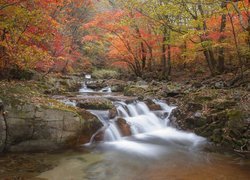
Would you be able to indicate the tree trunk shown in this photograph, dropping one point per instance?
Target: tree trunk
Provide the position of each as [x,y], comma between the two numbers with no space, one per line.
[221,56]
[207,57]
[150,58]
[163,54]
[142,48]
[169,61]
[143,55]
[208,51]
[3,54]
[236,45]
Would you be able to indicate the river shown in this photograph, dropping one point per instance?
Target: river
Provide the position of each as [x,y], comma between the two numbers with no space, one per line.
[153,150]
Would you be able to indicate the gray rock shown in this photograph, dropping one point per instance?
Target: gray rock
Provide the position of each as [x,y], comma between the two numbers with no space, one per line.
[95,103]
[197,114]
[34,146]
[219,85]
[2,133]
[32,128]
[141,83]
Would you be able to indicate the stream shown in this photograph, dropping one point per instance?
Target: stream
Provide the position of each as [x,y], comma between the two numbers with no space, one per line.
[153,149]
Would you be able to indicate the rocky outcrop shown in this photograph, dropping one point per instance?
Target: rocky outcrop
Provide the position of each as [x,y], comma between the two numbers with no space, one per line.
[32,128]
[217,115]
[134,91]
[90,127]
[34,122]
[116,85]
[61,84]
[95,104]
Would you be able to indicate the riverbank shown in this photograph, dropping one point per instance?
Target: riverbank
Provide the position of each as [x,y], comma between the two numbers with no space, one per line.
[35,122]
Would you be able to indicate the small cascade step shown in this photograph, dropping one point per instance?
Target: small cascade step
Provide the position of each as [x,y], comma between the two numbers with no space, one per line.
[135,118]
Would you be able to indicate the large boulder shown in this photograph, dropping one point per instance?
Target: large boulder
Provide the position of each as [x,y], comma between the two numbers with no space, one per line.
[36,122]
[62,84]
[91,126]
[2,127]
[134,91]
[116,85]
[95,104]
[32,128]
[35,128]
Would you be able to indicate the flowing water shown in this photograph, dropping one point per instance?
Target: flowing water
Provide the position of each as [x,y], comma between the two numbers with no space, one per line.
[153,150]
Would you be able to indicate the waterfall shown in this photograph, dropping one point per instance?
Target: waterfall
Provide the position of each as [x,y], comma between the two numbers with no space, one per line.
[139,118]
[137,129]
[106,90]
[85,88]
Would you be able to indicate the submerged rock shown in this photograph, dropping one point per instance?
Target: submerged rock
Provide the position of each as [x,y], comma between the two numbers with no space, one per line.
[113,113]
[124,127]
[152,106]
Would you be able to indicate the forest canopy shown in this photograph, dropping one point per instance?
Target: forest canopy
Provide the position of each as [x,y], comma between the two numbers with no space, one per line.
[145,37]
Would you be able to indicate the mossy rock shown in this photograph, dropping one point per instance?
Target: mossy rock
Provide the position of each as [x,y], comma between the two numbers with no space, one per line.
[217,136]
[219,105]
[134,91]
[195,122]
[235,118]
[202,99]
[95,104]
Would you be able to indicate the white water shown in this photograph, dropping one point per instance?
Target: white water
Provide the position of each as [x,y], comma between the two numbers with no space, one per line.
[106,90]
[151,135]
[85,89]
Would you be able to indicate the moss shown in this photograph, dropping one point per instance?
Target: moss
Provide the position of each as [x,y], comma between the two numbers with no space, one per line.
[235,123]
[202,99]
[134,91]
[217,136]
[222,104]
[234,115]
[105,74]
[29,92]
[98,104]
[54,104]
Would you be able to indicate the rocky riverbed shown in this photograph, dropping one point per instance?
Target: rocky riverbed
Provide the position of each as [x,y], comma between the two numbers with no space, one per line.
[48,115]
[210,108]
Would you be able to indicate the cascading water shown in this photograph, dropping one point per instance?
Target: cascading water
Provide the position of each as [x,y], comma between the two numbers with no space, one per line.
[85,89]
[140,143]
[106,90]
[150,130]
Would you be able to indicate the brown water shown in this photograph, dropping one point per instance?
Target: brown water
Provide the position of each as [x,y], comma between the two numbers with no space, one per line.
[114,165]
